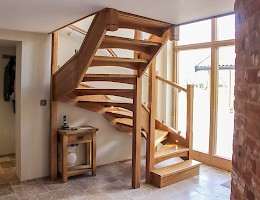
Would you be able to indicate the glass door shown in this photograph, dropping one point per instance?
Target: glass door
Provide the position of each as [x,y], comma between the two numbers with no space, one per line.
[225,111]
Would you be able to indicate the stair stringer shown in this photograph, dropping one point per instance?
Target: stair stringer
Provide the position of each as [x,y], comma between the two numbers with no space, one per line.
[74,70]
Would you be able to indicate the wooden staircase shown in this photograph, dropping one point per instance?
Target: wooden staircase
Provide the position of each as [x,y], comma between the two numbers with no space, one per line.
[71,85]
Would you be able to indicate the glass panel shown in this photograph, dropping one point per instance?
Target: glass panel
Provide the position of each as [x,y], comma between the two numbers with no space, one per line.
[226,27]
[194,69]
[70,40]
[192,33]
[226,101]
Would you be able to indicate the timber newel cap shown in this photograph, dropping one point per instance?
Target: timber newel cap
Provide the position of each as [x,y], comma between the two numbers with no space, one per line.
[112,19]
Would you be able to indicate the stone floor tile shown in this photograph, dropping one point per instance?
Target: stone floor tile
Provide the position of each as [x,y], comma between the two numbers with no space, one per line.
[90,182]
[8,178]
[185,195]
[101,196]
[111,179]
[7,164]
[57,185]
[4,159]
[6,189]
[12,196]
[68,193]
[30,189]
[110,188]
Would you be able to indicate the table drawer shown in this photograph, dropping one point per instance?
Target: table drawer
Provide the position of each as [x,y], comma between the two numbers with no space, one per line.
[79,138]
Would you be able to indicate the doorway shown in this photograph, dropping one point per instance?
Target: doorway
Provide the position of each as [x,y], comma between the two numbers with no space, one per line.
[7,111]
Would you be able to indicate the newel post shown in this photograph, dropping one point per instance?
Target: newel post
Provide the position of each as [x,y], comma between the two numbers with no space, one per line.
[151,135]
[189,128]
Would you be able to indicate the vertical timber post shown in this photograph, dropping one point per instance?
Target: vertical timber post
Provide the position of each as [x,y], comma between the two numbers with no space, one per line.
[151,134]
[136,144]
[189,128]
[53,110]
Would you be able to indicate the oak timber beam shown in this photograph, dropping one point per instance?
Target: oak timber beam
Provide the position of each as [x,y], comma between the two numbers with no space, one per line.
[151,136]
[53,111]
[136,144]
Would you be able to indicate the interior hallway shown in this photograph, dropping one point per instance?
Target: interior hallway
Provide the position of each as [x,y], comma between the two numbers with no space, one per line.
[113,182]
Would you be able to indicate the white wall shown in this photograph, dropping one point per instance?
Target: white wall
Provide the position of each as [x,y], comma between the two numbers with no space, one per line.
[32,84]
[7,116]
[112,145]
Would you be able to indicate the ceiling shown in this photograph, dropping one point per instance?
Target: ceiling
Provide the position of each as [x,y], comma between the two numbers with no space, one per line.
[49,15]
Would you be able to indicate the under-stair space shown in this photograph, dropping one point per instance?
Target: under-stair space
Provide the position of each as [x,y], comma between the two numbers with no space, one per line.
[117,96]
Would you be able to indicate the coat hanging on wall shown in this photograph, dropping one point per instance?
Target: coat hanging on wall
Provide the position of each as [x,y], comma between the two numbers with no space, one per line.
[9,78]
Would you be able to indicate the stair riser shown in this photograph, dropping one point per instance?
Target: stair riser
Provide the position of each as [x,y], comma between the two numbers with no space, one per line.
[168,180]
[166,157]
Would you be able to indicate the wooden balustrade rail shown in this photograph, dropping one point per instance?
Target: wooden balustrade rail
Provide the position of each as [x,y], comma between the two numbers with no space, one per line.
[190,96]
[171,83]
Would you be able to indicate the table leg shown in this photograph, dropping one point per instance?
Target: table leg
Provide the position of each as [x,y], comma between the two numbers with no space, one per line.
[64,158]
[87,146]
[93,156]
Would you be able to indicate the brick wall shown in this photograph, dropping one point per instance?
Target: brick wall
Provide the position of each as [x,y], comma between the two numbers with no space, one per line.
[246,145]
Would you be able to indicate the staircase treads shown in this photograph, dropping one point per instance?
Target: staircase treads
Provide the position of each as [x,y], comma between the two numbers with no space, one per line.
[128,93]
[136,22]
[120,78]
[124,121]
[116,61]
[170,149]
[121,114]
[108,103]
[131,44]
[176,168]
[160,135]
[171,174]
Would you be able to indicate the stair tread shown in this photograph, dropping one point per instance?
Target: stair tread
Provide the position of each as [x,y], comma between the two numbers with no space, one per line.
[121,112]
[104,101]
[118,59]
[160,134]
[176,168]
[121,40]
[170,149]
[110,75]
[124,121]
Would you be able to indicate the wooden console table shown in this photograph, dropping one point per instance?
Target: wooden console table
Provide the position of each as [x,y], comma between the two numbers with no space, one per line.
[87,136]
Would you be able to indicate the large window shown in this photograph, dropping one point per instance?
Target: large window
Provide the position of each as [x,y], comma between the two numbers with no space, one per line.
[205,57]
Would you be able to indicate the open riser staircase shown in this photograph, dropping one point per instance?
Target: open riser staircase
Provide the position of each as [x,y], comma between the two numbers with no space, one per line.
[71,84]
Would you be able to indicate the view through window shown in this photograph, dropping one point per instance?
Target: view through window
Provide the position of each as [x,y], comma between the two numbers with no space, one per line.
[206,59]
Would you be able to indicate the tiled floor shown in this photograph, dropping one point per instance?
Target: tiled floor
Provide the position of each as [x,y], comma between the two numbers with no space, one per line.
[114,182]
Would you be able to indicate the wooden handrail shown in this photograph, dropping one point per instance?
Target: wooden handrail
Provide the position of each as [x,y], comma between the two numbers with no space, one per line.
[171,83]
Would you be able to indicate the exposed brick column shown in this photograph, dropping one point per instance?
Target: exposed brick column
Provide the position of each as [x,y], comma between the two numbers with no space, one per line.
[246,143]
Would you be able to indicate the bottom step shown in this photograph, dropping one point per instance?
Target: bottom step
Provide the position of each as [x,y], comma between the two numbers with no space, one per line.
[171,174]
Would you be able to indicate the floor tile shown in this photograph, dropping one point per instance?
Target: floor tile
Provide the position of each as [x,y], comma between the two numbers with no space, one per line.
[68,193]
[7,164]
[4,159]
[6,189]
[30,189]
[113,182]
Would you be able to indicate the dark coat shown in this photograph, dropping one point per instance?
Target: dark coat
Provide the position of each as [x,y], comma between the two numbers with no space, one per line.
[9,78]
